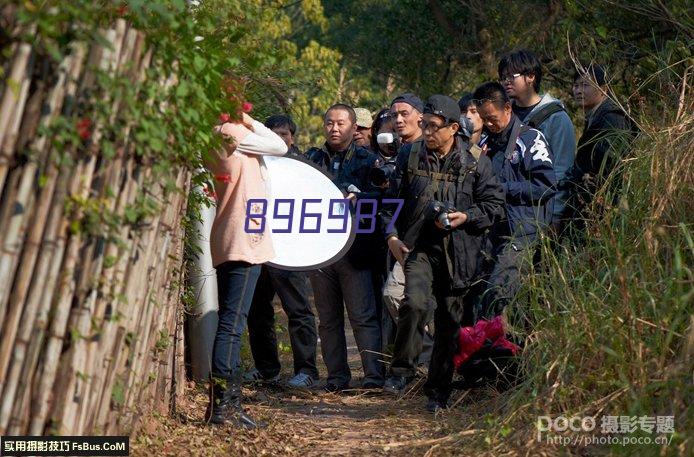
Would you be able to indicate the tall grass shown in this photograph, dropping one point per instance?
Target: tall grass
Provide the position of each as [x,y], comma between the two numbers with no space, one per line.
[612,323]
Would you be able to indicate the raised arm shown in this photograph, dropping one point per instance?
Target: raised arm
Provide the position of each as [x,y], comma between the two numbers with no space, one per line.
[262,141]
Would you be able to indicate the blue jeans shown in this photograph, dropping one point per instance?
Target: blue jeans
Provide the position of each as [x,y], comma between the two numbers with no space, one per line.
[235,285]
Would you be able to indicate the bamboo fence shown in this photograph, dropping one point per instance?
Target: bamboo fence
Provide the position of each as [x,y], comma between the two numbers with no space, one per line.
[90,329]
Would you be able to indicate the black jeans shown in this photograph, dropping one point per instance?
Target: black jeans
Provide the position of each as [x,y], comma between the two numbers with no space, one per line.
[235,286]
[440,376]
[336,287]
[293,290]
[425,275]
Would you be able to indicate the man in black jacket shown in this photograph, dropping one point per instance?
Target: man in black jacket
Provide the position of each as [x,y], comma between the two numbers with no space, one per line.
[450,198]
[347,283]
[606,136]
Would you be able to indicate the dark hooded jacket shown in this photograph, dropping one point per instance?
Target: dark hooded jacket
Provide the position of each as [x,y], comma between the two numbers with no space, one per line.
[606,135]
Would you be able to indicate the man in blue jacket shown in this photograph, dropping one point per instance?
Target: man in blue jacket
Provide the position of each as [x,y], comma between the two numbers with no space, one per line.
[520,73]
[523,162]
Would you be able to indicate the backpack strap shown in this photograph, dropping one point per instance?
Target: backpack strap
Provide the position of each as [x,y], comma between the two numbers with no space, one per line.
[476,152]
[516,131]
[413,159]
[539,116]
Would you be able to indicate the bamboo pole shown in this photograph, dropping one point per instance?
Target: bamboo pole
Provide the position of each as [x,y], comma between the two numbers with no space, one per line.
[33,238]
[35,316]
[75,373]
[10,102]
[31,334]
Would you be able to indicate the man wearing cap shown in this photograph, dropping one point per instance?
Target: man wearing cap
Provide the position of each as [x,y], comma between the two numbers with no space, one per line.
[362,137]
[406,110]
[451,197]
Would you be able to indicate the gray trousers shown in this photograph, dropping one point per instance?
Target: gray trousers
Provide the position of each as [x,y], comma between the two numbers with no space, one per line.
[336,287]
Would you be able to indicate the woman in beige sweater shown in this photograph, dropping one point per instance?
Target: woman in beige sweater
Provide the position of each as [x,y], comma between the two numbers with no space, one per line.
[240,176]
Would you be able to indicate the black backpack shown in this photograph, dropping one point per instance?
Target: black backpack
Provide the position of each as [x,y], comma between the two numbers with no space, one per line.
[541,115]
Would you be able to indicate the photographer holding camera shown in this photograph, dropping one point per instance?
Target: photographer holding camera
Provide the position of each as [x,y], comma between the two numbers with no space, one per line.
[451,197]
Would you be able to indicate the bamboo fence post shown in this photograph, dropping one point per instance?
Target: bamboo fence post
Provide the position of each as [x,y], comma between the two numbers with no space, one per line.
[75,363]
[31,243]
[57,283]
[11,102]
[68,283]
[34,320]
[33,325]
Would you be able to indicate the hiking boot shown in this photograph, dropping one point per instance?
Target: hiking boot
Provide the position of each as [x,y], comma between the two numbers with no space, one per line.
[255,377]
[301,381]
[396,385]
[225,404]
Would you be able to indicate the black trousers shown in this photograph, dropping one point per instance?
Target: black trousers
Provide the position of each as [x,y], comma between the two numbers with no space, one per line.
[293,290]
[426,275]
[512,261]
[337,287]
[440,376]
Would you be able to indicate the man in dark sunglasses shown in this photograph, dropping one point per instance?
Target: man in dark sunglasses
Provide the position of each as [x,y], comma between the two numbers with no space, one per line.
[450,198]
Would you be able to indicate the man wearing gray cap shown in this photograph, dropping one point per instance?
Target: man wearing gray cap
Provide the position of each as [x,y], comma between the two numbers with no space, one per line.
[451,197]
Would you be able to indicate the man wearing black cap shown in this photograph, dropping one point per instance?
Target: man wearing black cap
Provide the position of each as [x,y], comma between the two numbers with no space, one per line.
[451,196]
[406,111]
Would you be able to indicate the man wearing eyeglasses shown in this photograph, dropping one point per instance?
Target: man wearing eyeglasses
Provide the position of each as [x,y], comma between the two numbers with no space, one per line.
[520,73]
[523,162]
[451,196]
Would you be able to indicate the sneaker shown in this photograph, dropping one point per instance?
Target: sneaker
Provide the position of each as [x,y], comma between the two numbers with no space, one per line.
[301,381]
[371,385]
[334,388]
[395,385]
[254,376]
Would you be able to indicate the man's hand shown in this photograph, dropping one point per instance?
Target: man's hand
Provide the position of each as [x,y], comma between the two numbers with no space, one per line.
[398,249]
[588,179]
[456,218]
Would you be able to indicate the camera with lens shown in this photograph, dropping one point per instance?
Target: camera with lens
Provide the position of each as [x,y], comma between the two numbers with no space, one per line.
[438,211]
[380,175]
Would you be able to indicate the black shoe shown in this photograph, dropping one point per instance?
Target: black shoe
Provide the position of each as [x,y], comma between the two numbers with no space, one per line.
[332,388]
[225,404]
[436,406]
[396,385]
[372,385]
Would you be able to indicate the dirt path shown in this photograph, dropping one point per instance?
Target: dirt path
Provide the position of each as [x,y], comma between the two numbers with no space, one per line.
[305,423]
